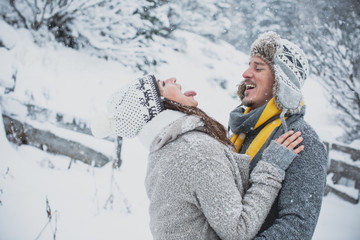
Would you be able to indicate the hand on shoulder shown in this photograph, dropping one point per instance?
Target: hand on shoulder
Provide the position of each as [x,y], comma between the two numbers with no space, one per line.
[291,140]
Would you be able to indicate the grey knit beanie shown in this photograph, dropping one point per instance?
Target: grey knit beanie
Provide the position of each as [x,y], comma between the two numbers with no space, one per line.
[290,68]
[289,65]
[129,109]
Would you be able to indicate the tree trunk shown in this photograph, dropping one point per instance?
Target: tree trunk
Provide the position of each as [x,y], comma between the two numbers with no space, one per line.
[23,133]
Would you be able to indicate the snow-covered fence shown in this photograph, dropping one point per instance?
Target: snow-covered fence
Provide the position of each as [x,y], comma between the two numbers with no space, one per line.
[354,153]
[57,133]
[343,172]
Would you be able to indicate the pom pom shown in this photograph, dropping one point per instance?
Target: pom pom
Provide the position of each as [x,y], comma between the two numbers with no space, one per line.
[101,126]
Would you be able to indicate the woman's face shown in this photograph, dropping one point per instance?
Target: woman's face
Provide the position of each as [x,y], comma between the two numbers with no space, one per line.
[171,90]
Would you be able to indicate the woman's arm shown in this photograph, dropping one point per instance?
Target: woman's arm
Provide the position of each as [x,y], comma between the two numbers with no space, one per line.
[228,213]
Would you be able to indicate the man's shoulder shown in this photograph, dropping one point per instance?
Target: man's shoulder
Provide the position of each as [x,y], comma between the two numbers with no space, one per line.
[304,127]
[314,146]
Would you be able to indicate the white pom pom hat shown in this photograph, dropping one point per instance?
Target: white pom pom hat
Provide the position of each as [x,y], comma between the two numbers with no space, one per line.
[129,109]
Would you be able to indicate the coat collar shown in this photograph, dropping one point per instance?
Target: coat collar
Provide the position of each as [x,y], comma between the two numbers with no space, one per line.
[154,127]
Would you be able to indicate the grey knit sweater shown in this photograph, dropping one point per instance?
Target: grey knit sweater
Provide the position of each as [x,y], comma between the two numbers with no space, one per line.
[197,186]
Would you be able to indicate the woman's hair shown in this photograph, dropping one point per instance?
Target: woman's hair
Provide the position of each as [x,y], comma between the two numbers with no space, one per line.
[212,127]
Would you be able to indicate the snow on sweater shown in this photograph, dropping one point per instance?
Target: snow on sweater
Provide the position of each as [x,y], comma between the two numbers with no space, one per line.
[196,185]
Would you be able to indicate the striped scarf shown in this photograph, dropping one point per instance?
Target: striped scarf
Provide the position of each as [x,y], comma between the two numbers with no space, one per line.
[241,122]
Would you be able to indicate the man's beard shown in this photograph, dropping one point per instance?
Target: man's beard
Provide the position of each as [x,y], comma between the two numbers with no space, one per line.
[241,95]
[241,90]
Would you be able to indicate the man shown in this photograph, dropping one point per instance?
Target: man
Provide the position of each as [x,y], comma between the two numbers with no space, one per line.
[271,104]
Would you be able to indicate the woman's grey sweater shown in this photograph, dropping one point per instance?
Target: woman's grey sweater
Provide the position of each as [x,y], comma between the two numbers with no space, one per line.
[200,189]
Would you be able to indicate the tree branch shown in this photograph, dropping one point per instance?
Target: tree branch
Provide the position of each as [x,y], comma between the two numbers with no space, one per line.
[23,19]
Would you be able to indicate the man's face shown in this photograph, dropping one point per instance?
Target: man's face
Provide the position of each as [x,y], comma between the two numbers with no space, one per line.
[257,86]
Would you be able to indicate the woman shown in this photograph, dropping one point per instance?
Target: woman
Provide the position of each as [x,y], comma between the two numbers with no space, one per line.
[198,187]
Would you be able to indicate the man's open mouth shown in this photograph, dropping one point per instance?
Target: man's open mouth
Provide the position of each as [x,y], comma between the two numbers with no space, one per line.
[249,86]
[246,85]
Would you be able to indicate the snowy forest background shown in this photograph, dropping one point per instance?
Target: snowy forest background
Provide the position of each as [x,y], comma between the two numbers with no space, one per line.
[60,59]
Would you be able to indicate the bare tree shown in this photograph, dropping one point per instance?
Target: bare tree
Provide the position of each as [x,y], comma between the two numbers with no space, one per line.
[112,29]
[55,15]
[333,34]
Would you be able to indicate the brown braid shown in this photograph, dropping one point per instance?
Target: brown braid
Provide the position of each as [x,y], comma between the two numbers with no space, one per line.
[212,127]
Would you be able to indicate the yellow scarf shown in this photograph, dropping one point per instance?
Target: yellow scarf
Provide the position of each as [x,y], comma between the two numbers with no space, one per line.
[270,111]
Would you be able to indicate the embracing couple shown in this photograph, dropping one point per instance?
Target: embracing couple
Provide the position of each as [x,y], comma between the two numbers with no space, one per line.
[264,182]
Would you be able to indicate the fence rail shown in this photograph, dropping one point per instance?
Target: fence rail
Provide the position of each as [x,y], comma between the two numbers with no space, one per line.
[340,169]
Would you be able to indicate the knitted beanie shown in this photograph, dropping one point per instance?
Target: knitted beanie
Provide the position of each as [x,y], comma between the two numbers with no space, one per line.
[129,109]
[290,67]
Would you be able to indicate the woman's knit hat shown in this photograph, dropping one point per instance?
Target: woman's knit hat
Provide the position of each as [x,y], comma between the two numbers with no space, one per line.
[289,65]
[129,109]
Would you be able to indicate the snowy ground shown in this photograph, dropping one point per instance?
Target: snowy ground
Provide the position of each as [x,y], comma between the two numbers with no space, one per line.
[102,203]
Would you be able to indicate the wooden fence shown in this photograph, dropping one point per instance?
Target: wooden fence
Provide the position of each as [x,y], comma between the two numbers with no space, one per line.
[347,170]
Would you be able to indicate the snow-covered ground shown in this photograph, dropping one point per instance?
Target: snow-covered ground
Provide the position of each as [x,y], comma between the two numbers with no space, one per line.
[102,203]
